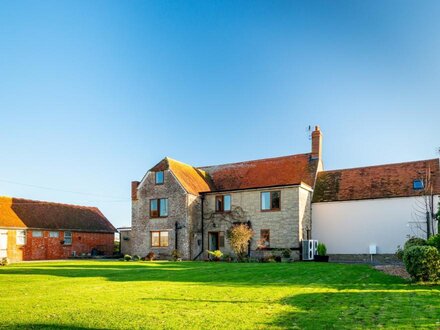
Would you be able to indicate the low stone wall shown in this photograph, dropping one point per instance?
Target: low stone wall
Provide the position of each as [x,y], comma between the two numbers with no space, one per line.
[377,259]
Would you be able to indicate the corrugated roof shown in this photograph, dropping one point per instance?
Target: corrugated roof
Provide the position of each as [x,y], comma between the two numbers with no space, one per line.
[25,213]
[382,181]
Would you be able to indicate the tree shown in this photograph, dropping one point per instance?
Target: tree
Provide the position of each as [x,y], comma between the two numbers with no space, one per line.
[423,215]
[239,236]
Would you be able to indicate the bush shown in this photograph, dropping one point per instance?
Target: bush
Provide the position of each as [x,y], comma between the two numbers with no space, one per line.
[399,253]
[422,263]
[176,255]
[150,256]
[217,254]
[239,236]
[127,257]
[136,258]
[322,249]
[286,253]
[4,261]
[434,241]
[414,241]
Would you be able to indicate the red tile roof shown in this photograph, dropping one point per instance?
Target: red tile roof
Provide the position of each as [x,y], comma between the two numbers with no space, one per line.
[382,181]
[25,213]
[280,171]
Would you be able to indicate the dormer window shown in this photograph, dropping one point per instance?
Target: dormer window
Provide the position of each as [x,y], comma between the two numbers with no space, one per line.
[159,177]
[418,184]
[223,203]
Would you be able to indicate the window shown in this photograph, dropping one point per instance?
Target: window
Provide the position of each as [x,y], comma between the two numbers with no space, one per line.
[37,233]
[418,184]
[264,238]
[54,234]
[270,200]
[223,203]
[67,237]
[20,237]
[158,208]
[159,238]
[159,177]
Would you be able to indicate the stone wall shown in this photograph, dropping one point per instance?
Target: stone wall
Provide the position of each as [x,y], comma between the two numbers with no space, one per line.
[142,224]
[284,225]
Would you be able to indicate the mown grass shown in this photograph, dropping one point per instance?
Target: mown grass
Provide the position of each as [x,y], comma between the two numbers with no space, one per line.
[201,295]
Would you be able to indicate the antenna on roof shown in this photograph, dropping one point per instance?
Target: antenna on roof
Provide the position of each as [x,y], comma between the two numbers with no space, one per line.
[309,132]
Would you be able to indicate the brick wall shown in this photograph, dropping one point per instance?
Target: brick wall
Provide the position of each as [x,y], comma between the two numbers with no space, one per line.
[46,248]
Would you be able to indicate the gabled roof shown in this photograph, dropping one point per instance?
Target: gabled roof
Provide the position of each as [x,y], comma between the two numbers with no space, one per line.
[26,213]
[382,181]
[193,180]
[269,172]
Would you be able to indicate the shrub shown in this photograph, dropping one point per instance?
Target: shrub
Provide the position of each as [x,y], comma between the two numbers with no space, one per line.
[227,257]
[399,253]
[127,257]
[176,255]
[414,241]
[286,253]
[4,262]
[217,254]
[422,263]
[434,241]
[239,236]
[322,249]
[150,256]
[136,258]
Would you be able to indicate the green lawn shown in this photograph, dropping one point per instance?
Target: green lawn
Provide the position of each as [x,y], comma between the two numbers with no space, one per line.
[202,295]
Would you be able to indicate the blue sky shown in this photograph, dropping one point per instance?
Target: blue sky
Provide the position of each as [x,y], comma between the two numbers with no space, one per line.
[94,93]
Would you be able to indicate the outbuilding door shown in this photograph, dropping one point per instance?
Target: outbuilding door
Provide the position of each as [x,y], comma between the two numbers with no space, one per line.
[3,243]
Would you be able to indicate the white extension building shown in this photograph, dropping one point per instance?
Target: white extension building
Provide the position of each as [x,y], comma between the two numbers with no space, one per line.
[374,209]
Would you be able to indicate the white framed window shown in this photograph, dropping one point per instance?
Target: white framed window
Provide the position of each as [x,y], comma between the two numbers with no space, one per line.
[37,233]
[20,236]
[67,237]
[54,234]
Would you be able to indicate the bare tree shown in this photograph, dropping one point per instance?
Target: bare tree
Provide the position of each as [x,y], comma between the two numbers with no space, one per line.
[424,219]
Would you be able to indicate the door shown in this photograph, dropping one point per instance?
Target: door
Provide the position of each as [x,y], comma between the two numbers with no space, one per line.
[3,243]
[213,241]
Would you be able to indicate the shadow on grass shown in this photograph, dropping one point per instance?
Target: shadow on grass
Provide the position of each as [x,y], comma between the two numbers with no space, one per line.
[37,326]
[394,309]
[255,274]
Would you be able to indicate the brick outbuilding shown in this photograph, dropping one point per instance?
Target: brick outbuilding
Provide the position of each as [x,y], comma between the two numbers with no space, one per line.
[38,230]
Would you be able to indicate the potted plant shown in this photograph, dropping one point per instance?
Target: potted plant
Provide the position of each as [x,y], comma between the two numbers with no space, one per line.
[176,255]
[322,253]
[285,255]
[217,254]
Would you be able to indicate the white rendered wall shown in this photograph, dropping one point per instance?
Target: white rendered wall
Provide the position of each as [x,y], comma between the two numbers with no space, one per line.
[351,227]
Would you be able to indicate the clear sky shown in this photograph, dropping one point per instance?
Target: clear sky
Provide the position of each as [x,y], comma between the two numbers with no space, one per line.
[94,93]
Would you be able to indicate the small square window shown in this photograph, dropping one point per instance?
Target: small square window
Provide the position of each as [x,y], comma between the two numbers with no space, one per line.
[158,208]
[67,237]
[159,238]
[54,234]
[37,233]
[223,203]
[418,184]
[159,177]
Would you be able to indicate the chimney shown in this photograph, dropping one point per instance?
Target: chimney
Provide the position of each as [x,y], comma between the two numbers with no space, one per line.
[134,186]
[316,143]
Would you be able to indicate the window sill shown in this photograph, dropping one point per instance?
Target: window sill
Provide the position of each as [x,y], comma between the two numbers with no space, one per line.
[272,210]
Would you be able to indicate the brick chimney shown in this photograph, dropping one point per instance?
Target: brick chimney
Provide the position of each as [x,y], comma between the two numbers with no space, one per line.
[134,186]
[316,143]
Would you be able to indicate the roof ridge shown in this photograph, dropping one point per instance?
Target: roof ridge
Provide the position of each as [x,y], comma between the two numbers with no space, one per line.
[35,201]
[254,160]
[380,165]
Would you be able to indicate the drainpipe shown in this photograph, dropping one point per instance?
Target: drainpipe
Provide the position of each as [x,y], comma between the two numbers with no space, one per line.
[202,197]
[176,227]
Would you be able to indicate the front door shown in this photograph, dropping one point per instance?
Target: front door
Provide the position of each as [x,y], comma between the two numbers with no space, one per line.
[3,243]
[213,241]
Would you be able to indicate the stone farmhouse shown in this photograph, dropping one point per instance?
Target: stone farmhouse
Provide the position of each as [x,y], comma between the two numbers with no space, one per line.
[285,200]
[37,230]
